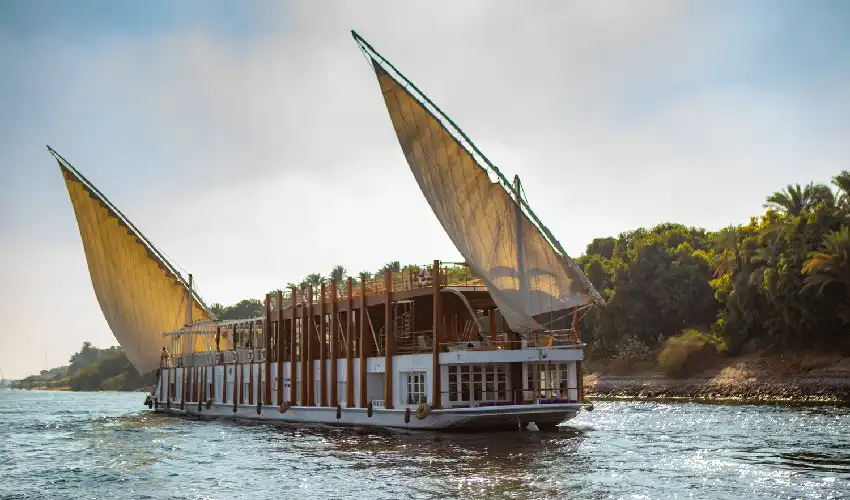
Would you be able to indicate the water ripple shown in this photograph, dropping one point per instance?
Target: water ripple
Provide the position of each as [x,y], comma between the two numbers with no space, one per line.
[105,445]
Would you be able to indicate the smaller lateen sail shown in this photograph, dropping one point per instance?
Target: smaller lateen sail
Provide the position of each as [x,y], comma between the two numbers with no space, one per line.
[141,295]
[525,269]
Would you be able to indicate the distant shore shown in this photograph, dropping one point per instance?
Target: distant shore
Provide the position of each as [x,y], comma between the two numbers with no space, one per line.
[790,379]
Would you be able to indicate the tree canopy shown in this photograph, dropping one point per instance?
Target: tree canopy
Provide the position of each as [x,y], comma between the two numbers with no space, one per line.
[779,282]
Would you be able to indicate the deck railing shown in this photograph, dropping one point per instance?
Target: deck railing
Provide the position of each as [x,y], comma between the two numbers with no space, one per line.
[409,278]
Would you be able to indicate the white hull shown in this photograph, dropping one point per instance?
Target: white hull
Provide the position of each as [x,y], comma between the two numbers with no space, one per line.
[514,417]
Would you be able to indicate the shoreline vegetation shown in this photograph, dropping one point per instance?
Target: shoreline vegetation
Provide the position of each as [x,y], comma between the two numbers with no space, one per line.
[755,312]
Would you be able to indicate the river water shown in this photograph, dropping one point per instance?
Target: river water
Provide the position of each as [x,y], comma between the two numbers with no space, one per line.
[108,446]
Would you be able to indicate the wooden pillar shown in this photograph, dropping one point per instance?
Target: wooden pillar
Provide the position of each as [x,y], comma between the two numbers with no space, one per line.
[436,385]
[293,389]
[332,327]
[349,348]
[183,387]
[311,350]
[389,343]
[251,361]
[224,383]
[492,316]
[579,371]
[267,341]
[240,379]
[279,340]
[305,399]
[362,315]
[323,349]
[237,384]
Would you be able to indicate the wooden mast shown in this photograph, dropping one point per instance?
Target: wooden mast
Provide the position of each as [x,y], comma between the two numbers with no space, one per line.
[362,368]
[349,348]
[389,343]
[332,327]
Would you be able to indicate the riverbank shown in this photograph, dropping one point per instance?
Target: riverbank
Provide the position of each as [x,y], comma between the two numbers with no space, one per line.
[781,378]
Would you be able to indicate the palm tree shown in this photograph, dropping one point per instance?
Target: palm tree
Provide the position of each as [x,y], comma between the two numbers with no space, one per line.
[338,273]
[831,264]
[217,309]
[794,200]
[728,256]
[315,280]
[842,182]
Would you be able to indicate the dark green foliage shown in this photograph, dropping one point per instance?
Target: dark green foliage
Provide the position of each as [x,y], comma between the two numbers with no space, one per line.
[780,282]
[94,369]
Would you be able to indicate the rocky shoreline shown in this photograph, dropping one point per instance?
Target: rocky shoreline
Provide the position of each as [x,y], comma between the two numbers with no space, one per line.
[754,380]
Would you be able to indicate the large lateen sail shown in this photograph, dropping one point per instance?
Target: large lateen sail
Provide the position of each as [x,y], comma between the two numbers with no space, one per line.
[141,295]
[527,273]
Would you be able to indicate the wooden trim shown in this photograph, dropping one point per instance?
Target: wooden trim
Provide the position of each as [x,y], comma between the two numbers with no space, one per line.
[349,348]
[436,385]
[362,318]
[293,373]
[389,343]
[334,336]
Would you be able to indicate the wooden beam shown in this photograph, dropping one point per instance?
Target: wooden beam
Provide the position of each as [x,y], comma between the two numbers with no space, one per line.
[293,389]
[267,341]
[305,400]
[389,343]
[362,317]
[349,348]
[323,349]
[436,386]
[334,335]
[279,342]
[311,350]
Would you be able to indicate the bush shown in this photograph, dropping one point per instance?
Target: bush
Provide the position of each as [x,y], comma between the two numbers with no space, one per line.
[631,355]
[689,353]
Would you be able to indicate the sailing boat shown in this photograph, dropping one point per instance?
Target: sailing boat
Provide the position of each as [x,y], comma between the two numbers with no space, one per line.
[418,349]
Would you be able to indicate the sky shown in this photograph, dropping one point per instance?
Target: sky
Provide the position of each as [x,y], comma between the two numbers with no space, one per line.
[249,140]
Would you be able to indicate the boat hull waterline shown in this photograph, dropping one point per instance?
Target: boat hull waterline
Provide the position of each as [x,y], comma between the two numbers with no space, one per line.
[516,417]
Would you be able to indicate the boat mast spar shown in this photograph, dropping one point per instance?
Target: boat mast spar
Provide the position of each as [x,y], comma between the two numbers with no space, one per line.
[467,143]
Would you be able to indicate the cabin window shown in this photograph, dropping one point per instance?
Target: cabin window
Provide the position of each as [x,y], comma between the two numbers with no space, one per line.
[478,383]
[416,388]
[550,380]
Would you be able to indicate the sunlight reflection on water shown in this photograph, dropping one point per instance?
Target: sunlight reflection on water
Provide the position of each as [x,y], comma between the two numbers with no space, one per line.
[106,445]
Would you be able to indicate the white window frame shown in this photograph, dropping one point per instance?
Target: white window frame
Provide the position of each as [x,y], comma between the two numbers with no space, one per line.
[478,383]
[415,388]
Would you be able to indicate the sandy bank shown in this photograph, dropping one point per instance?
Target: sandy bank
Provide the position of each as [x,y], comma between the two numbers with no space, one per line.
[801,378]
